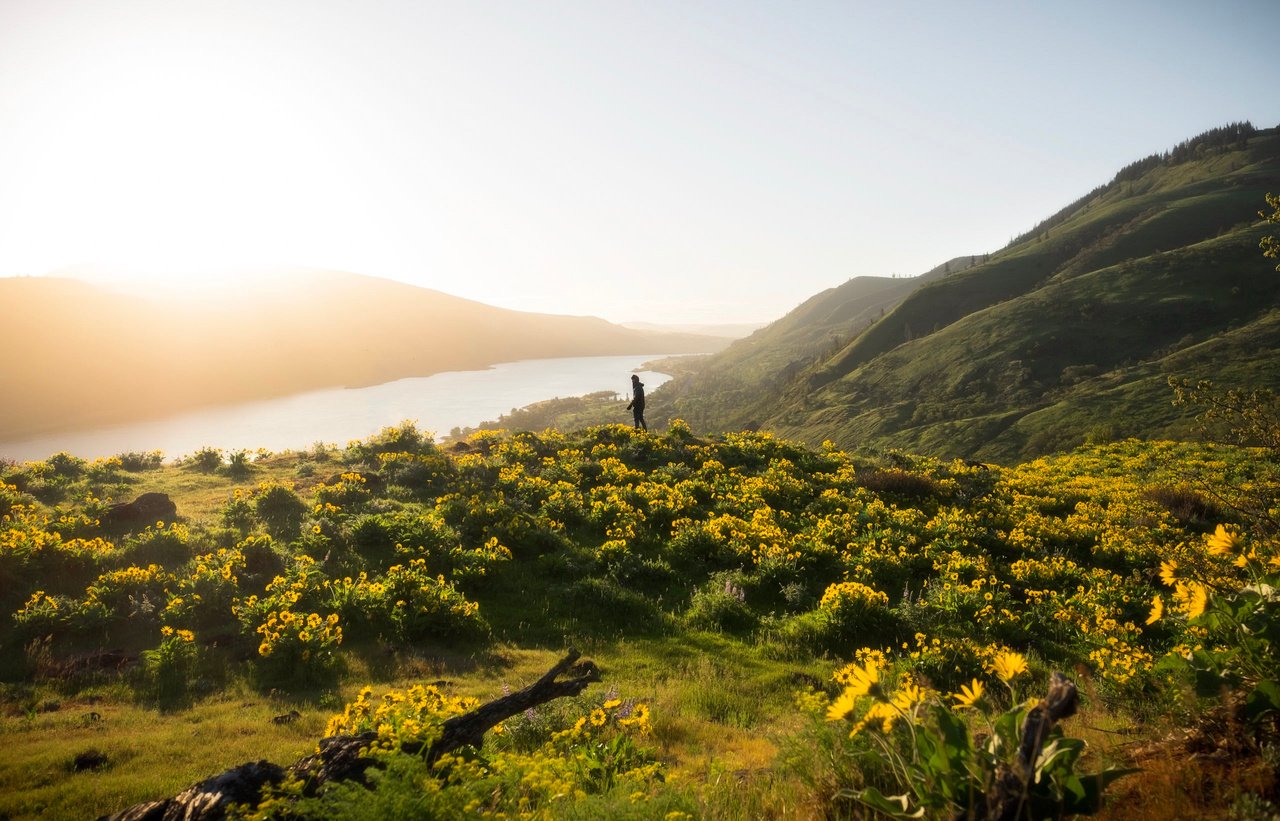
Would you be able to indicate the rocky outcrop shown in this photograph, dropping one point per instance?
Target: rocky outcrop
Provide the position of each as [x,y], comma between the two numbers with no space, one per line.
[142,511]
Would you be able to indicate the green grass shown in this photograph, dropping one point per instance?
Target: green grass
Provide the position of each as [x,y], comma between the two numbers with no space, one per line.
[149,754]
[719,708]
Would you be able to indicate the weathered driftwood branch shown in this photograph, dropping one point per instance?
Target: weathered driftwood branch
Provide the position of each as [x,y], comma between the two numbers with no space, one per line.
[341,758]
[1060,702]
[1006,799]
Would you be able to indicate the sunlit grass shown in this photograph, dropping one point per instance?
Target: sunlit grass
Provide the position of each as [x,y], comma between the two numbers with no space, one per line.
[149,754]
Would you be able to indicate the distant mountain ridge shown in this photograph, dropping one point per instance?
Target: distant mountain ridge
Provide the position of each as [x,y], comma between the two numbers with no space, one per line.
[1069,333]
[78,355]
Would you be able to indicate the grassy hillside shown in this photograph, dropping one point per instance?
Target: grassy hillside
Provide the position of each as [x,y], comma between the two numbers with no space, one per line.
[141,358]
[754,605]
[1067,334]
[734,388]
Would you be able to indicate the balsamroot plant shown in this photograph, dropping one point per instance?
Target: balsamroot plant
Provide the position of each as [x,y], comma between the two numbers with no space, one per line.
[958,755]
[1227,613]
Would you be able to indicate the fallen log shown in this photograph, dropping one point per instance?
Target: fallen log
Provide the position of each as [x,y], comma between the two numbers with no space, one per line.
[341,758]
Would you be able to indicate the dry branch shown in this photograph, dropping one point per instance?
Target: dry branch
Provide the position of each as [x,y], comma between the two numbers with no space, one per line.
[1006,800]
[341,758]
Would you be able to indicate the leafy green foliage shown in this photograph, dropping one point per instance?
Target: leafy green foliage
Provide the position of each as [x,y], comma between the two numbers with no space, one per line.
[942,568]
[1231,609]
[205,460]
[1270,244]
[170,670]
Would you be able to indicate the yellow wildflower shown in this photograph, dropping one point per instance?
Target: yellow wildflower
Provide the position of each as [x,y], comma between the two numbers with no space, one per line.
[908,697]
[1223,541]
[843,705]
[1198,600]
[1168,572]
[970,694]
[863,680]
[1157,610]
[1009,664]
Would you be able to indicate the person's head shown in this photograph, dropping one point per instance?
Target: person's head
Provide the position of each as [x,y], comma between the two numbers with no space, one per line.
[635,378]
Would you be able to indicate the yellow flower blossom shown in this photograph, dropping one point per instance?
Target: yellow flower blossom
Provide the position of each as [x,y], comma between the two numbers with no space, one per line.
[908,697]
[864,680]
[843,705]
[1198,600]
[1223,541]
[1157,610]
[1008,665]
[970,694]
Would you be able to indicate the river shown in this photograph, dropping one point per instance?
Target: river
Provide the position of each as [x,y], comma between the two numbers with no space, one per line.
[436,403]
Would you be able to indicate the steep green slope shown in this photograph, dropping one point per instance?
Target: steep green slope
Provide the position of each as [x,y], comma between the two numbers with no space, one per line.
[1069,333]
[737,387]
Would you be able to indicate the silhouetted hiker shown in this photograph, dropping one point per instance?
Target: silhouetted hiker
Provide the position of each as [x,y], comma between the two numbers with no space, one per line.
[636,405]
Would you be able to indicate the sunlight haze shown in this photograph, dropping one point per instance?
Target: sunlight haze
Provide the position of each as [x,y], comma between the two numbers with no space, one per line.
[666,162]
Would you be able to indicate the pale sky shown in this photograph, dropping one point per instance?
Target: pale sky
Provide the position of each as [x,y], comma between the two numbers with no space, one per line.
[660,161]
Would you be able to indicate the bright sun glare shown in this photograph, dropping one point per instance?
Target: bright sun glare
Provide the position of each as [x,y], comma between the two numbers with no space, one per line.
[193,169]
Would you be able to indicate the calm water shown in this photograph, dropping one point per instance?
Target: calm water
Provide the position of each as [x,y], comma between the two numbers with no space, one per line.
[437,403]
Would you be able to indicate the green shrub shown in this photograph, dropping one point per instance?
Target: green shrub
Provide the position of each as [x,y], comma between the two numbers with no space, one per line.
[65,466]
[420,606]
[169,545]
[602,606]
[280,509]
[204,460]
[856,612]
[238,513]
[402,438]
[123,600]
[424,475]
[347,491]
[721,606]
[11,497]
[138,462]
[169,671]
[298,649]
[102,473]
[202,598]
[238,465]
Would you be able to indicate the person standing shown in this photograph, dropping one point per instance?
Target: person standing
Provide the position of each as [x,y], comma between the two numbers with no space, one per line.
[636,405]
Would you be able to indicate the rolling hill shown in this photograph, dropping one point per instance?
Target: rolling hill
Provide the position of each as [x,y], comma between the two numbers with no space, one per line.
[1068,334]
[78,355]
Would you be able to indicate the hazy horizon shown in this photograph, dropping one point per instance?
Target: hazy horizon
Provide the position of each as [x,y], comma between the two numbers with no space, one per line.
[675,163]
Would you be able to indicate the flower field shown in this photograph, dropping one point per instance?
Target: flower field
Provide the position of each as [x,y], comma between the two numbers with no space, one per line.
[919,604]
